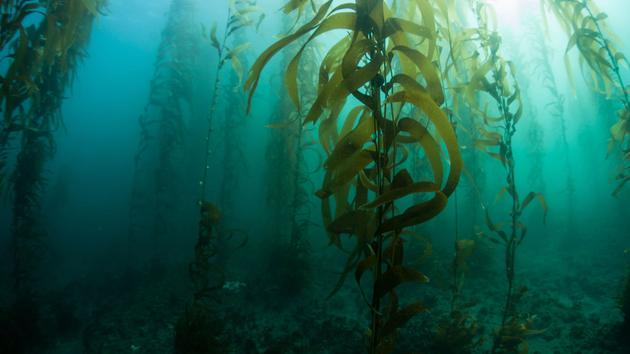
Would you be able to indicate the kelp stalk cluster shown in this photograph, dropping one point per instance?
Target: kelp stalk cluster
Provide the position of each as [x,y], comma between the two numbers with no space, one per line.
[375,69]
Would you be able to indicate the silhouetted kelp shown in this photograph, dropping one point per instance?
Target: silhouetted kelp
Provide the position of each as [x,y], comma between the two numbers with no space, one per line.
[375,65]
[154,201]
[43,58]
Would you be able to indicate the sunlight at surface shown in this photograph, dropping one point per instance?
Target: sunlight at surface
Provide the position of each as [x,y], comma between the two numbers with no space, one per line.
[510,11]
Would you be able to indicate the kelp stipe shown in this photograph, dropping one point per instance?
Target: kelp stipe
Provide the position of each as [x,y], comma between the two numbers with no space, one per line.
[375,66]
[197,330]
[600,62]
[493,76]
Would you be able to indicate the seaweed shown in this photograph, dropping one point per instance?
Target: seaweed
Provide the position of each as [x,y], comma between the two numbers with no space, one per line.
[42,60]
[154,191]
[494,77]
[376,67]
[288,191]
[196,330]
[32,93]
[600,64]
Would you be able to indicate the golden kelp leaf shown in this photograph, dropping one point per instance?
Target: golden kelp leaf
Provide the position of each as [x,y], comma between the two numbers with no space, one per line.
[367,183]
[416,214]
[428,18]
[394,194]
[351,119]
[236,63]
[321,102]
[428,71]
[541,199]
[364,265]
[494,228]
[350,143]
[344,20]
[91,6]
[423,101]
[346,172]
[293,5]
[252,81]
[393,254]
[395,276]
[394,25]
[431,148]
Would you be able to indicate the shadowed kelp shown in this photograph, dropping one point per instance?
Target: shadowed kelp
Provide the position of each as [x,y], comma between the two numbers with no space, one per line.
[44,54]
[155,191]
[287,179]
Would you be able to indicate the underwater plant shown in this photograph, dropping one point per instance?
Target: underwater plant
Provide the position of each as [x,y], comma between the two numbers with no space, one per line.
[197,330]
[241,18]
[374,69]
[11,32]
[42,60]
[542,68]
[33,87]
[494,77]
[600,64]
[288,184]
[154,190]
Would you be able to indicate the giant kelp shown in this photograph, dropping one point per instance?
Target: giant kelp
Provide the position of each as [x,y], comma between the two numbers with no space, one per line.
[154,193]
[196,330]
[600,64]
[493,77]
[244,16]
[43,57]
[287,180]
[374,69]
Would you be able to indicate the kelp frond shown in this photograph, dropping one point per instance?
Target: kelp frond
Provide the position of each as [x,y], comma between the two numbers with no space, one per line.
[374,70]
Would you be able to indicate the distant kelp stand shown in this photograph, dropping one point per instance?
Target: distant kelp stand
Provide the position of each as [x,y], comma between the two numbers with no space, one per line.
[555,107]
[600,63]
[373,69]
[289,189]
[459,331]
[154,203]
[43,56]
[244,16]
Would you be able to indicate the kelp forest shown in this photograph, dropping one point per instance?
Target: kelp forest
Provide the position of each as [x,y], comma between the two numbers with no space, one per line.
[314,176]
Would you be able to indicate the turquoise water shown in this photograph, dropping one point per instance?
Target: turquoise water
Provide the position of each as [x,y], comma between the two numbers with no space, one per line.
[154,124]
